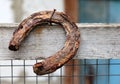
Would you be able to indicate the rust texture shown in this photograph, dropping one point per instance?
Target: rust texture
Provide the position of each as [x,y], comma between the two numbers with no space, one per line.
[57,60]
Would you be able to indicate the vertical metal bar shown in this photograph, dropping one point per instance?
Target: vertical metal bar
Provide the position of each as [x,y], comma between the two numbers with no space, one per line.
[84,71]
[81,71]
[0,73]
[24,71]
[96,71]
[73,72]
[48,78]
[108,71]
[61,76]
[12,71]
[36,76]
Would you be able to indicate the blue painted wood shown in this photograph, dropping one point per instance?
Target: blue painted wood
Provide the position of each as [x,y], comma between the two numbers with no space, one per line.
[91,11]
[114,12]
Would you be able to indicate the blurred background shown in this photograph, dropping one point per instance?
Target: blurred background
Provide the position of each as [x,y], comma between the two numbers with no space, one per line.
[16,10]
[85,71]
[85,10]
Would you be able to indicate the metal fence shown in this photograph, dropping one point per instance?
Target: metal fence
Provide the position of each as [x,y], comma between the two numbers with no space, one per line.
[91,72]
[21,72]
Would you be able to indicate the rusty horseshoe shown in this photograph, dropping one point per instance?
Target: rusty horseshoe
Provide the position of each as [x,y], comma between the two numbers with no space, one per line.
[57,60]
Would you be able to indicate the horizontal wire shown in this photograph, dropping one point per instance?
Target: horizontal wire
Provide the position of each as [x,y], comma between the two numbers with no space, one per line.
[65,65]
[58,76]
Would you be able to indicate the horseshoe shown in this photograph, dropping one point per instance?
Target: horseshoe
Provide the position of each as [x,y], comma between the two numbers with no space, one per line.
[57,60]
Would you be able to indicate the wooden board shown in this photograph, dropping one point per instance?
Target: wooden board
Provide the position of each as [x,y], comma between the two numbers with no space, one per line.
[97,41]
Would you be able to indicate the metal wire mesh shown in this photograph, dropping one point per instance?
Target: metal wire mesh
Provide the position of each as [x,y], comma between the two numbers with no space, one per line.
[21,72]
[100,71]
[91,72]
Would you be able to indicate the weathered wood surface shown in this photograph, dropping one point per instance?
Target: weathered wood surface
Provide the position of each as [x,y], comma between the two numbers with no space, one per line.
[97,41]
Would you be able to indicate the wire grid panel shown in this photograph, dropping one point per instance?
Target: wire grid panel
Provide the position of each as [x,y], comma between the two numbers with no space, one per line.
[91,72]
[21,72]
[100,71]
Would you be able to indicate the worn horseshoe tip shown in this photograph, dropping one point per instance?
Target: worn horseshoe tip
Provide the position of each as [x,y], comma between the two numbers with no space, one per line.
[13,47]
[58,59]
